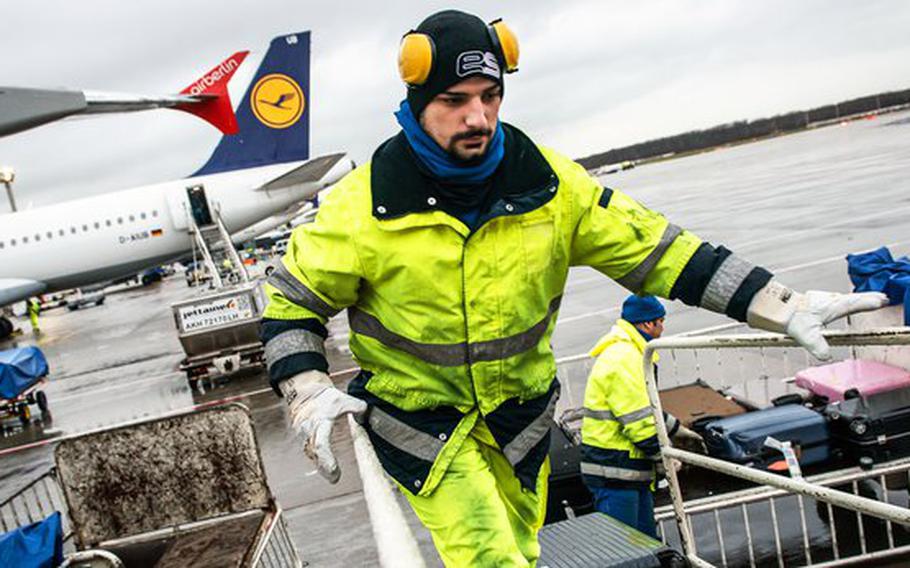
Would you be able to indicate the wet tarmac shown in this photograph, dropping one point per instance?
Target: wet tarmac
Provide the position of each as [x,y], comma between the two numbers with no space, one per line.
[796,204]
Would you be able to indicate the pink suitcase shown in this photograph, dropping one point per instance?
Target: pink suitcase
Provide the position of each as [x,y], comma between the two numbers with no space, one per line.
[867,377]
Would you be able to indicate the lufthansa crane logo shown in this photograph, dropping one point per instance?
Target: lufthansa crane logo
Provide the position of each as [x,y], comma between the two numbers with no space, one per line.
[277,101]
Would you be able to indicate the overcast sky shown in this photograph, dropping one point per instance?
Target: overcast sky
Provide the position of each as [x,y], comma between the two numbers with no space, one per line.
[594,74]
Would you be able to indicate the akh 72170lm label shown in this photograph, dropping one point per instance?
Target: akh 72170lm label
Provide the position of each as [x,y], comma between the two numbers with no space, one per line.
[215,313]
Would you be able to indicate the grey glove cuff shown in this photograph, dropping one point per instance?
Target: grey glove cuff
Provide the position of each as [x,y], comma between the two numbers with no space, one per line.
[772,307]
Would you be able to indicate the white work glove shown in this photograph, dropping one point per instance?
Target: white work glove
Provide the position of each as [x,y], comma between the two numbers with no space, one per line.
[688,439]
[313,405]
[660,471]
[683,433]
[802,316]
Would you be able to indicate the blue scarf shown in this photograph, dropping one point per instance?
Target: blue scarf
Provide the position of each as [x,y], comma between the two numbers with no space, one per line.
[439,162]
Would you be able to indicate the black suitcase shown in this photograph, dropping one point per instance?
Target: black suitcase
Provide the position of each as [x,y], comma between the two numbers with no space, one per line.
[600,541]
[877,427]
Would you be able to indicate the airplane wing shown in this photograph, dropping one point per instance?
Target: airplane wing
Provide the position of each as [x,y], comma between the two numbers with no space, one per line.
[271,223]
[312,171]
[207,98]
[13,290]
[324,171]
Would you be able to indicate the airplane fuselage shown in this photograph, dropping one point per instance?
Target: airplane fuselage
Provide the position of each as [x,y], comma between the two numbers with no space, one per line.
[113,235]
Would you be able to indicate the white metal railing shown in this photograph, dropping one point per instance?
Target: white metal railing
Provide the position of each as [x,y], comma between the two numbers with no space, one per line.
[395,542]
[669,454]
[724,521]
[34,502]
[203,247]
[232,253]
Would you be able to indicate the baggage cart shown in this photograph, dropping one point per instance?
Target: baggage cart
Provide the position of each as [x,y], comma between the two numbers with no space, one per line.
[184,490]
[219,332]
[23,372]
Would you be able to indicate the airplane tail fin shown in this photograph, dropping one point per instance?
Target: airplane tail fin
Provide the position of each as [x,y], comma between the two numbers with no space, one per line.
[273,117]
[216,109]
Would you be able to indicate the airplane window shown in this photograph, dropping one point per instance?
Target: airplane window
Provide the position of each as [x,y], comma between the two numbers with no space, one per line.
[154,212]
[62,232]
[50,234]
[142,215]
[24,240]
[12,242]
[119,220]
[132,218]
[107,222]
[2,245]
[73,230]
[84,228]
[97,225]
[37,238]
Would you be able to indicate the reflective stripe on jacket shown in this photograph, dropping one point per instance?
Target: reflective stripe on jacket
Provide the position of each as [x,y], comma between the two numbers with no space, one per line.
[619,438]
[445,322]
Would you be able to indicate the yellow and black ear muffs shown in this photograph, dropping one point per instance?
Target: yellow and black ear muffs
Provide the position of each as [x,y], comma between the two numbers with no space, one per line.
[417,53]
[505,45]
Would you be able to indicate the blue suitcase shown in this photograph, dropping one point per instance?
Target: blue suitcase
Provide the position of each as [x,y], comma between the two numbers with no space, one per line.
[741,438]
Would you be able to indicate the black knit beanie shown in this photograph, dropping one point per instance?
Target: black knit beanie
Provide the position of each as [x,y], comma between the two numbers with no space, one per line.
[463,49]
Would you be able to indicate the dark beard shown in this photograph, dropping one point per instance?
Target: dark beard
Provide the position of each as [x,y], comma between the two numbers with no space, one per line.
[450,150]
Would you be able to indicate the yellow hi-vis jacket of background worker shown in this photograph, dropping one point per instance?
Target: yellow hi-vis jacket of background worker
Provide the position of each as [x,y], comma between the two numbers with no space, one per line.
[450,324]
[619,438]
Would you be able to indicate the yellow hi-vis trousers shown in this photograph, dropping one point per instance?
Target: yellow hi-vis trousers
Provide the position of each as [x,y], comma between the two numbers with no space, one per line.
[479,515]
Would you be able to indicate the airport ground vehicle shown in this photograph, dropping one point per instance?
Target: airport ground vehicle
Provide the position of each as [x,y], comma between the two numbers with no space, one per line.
[152,275]
[196,495]
[219,332]
[86,299]
[52,301]
[22,374]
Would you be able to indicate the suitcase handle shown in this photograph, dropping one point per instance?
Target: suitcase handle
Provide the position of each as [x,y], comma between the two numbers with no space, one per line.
[792,398]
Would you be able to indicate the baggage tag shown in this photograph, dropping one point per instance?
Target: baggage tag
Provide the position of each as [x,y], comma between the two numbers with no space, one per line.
[786,448]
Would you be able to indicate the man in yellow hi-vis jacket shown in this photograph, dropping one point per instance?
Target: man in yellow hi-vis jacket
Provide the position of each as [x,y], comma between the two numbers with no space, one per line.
[450,251]
[619,439]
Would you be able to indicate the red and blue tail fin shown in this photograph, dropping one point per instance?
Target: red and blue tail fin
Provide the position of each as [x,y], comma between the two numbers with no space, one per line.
[273,118]
[216,109]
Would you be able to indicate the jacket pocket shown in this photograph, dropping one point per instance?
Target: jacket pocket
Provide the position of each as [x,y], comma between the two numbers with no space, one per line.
[537,238]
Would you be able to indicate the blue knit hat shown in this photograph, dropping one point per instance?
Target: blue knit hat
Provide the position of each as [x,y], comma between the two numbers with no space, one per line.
[637,309]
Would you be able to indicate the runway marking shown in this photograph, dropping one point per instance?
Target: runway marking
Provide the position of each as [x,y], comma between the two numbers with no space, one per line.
[831,258]
[783,270]
[822,228]
[111,388]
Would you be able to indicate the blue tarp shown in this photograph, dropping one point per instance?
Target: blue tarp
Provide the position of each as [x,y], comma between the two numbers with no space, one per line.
[38,545]
[20,369]
[877,271]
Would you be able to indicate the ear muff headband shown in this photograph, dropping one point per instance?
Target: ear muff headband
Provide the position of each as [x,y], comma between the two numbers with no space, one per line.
[416,55]
[506,43]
